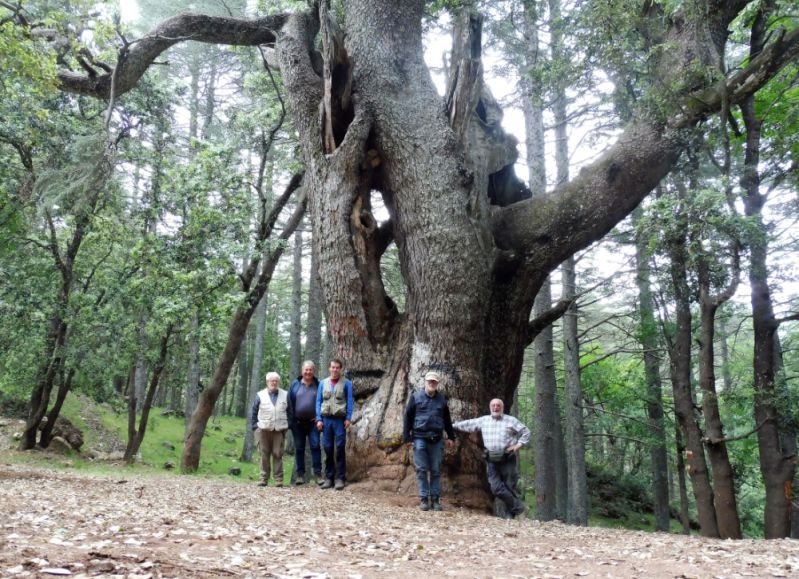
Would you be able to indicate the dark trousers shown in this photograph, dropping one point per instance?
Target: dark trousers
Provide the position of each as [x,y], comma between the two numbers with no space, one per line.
[501,477]
[334,439]
[305,430]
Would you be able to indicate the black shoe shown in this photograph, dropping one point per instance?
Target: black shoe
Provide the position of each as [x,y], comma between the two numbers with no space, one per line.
[320,480]
[436,504]
[263,483]
[424,505]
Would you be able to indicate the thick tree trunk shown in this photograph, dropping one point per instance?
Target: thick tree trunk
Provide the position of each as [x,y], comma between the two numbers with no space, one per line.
[654,392]
[313,329]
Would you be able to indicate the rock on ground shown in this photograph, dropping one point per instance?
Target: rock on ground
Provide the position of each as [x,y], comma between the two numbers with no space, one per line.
[54,523]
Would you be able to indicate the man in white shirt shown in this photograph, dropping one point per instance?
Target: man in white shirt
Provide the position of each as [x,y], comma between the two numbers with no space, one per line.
[503,436]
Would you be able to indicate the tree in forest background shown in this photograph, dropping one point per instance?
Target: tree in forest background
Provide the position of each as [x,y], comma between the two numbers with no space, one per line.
[439,171]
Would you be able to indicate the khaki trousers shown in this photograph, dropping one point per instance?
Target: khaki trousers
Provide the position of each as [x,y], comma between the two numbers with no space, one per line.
[270,445]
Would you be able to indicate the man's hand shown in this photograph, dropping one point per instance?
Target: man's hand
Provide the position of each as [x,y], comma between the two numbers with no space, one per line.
[346,424]
[320,425]
[513,448]
[449,443]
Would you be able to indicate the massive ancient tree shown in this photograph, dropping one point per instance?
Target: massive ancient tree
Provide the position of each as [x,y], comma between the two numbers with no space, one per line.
[474,246]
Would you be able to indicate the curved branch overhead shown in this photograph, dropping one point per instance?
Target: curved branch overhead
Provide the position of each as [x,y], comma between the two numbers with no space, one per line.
[583,210]
[142,53]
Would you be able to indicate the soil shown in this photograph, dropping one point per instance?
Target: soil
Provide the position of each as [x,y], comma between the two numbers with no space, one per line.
[66,523]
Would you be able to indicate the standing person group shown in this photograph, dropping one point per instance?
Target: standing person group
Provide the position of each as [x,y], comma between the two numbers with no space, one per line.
[311,408]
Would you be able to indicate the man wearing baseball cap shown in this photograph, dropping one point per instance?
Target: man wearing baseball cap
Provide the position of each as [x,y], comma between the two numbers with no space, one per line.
[426,419]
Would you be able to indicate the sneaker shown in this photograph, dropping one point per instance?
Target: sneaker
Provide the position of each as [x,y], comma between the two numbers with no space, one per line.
[436,504]
[263,483]
[327,484]
[300,480]
[320,480]
[424,504]
[339,484]
[279,485]
[521,513]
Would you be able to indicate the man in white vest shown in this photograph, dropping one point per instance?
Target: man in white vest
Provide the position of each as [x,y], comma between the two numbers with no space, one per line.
[269,415]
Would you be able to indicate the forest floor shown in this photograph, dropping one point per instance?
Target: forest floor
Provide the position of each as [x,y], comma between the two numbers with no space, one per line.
[70,523]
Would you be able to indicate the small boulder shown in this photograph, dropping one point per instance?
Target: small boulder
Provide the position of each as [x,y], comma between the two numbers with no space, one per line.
[169,465]
[59,445]
[65,429]
[168,445]
[230,439]
[234,470]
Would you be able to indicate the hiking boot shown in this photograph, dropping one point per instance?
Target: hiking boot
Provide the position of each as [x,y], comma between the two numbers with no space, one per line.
[339,486]
[327,484]
[436,504]
[279,484]
[424,504]
[262,483]
[320,480]
[300,480]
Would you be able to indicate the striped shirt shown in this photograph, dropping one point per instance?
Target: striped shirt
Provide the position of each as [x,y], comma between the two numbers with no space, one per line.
[498,433]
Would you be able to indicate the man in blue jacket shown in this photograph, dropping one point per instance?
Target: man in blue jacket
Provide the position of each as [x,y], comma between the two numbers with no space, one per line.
[334,405]
[302,422]
[426,418]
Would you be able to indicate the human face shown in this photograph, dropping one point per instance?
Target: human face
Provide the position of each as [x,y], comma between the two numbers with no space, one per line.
[430,386]
[335,370]
[272,384]
[496,407]
[307,373]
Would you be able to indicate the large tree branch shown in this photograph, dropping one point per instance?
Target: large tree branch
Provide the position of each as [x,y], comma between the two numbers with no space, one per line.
[549,228]
[142,53]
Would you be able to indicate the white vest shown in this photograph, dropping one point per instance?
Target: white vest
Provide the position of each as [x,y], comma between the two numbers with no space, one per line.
[273,416]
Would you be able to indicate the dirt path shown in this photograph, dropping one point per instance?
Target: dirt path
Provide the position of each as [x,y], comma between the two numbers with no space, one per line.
[71,524]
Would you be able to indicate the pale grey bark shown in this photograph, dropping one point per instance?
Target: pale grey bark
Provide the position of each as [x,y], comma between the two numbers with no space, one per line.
[295,343]
[313,331]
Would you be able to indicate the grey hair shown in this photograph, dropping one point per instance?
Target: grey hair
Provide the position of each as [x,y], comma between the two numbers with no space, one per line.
[308,363]
[272,375]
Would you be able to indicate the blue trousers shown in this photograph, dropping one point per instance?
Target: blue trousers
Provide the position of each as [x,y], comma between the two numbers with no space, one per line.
[303,431]
[427,459]
[334,440]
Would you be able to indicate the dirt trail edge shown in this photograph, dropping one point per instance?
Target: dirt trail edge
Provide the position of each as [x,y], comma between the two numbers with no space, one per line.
[73,524]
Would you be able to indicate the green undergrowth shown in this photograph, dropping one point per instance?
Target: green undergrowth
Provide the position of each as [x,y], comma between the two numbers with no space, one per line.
[105,429]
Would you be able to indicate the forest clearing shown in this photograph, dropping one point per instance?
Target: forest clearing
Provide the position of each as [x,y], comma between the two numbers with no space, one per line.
[56,523]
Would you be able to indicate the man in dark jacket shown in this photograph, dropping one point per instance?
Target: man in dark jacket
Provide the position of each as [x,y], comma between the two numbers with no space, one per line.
[426,419]
[302,414]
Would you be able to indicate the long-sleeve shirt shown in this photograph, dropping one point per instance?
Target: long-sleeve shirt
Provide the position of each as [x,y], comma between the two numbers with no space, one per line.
[350,402]
[498,433]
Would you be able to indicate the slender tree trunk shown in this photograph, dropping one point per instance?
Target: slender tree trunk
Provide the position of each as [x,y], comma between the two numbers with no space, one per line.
[547,415]
[242,392]
[684,405]
[654,392]
[193,372]
[255,288]
[723,477]
[682,484]
[295,343]
[64,387]
[135,438]
[255,375]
